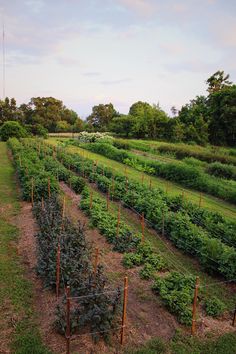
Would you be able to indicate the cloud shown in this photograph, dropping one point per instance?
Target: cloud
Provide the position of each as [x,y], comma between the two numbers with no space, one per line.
[35,5]
[141,7]
[116,82]
[68,61]
[91,74]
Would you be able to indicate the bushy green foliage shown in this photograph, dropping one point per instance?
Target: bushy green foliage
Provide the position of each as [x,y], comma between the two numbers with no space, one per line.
[214,307]
[12,129]
[192,229]
[222,170]
[76,183]
[185,174]
[176,291]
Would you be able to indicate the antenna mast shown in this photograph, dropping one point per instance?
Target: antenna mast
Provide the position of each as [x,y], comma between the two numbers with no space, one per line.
[3,59]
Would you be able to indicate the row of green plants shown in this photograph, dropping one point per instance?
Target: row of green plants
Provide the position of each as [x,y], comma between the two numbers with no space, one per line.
[179,151]
[95,309]
[124,239]
[217,169]
[175,289]
[139,253]
[214,255]
[187,175]
[214,223]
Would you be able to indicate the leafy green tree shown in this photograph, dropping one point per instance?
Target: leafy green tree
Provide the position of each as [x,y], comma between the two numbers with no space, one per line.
[218,81]
[122,125]
[63,126]
[78,125]
[9,110]
[101,116]
[11,129]
[222,108]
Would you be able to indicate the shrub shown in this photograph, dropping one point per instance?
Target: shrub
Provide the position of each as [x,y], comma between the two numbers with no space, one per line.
[214,307]
[76,183]
[12,129]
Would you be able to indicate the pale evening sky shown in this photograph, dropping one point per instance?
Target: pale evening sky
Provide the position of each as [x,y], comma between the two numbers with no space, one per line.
[86,52]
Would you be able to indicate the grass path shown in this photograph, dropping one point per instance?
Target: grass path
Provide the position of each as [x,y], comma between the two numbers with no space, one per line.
[208,202]
[18,330]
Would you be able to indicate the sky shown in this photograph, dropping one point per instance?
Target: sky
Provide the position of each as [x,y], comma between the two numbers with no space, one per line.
[86,52]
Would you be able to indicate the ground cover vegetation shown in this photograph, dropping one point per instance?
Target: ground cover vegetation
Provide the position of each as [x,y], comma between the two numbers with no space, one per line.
[18,325]
[187,175]
[210,232]
[141,253]
[95,310]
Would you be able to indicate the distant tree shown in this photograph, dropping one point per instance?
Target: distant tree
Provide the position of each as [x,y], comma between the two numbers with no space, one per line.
[222,110]
[101,116]
[63,126]
[9,110]
[78,125]
[11,129]
[122,125]
[218,81]
[174,111]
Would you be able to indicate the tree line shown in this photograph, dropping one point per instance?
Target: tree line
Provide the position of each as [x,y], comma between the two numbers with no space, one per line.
[205,119]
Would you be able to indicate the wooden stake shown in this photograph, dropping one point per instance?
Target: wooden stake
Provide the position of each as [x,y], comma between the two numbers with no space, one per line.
[193,329]
[118,222]
[91,200]
[150,184]
[49,188]
[234,317]
[163,223]
[142,223]
[200,200]
[58,269]
[67,320]
[20,161]
[108,199]
[64,207]
[96,261]
[32,192]
[124,310]
[42,203]
[142,178]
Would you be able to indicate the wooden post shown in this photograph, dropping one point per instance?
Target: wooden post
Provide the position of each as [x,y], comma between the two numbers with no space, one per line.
[142,178]
[234,317]
[193,329]
[150,184]
[91,200]
[20,161]
[58,270]
[126,184]
[32,192]
[49,188]
[163,223]
[64,207]
[95,261]
[42,203]
[200,200]
[118,222]
[113,186]
[67,320]
[142,223]
[108,199]
[124,310]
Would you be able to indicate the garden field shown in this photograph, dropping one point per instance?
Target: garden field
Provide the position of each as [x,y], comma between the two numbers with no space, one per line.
[116,247]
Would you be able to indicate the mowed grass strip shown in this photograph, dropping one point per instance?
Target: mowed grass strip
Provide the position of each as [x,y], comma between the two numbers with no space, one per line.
[213,204]
[15,289]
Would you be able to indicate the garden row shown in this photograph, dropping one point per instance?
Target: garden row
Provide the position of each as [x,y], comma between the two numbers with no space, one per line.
[179,295]
[95,309]
[187,175]
[195,239]
[179,151]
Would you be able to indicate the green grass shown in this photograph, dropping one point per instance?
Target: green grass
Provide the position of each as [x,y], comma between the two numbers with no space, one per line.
[208,202]
[15,288]
[182,344]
